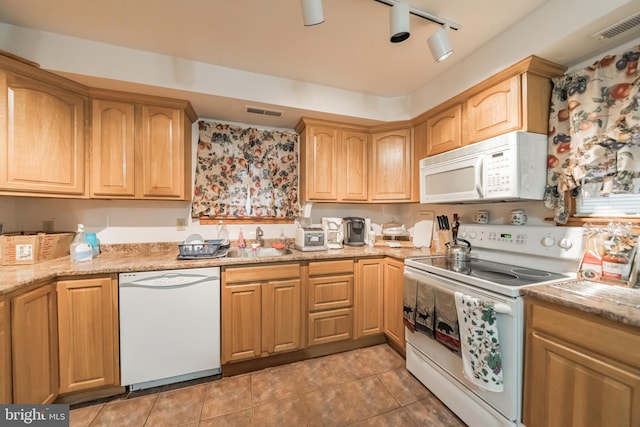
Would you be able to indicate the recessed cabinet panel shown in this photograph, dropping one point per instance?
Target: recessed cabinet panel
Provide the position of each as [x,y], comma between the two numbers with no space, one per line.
[322,163]
[161,152]
[444,131]
[369,297]
[391,166]
[331,325]
[35,346]
[5,353]
[88,333]
[393,283]
[241,322]
[354,170]
[42,143]
[494,111]
[112,149]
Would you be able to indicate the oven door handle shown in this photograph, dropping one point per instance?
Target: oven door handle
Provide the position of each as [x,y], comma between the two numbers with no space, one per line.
[502,309]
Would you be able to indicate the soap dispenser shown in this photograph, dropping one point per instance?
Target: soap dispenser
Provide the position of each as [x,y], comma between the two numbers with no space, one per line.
[80,250]
[241,243]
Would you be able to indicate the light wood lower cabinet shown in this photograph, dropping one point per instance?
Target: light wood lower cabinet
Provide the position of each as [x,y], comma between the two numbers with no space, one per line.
[580,369]
[261,311]
[330,301]
[5,353]
[393,283]
[35,346]
[88,333]
[369,296]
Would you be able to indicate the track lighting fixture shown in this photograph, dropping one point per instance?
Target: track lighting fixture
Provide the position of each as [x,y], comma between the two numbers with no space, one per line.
[399,22]
[439,45]
[312,12]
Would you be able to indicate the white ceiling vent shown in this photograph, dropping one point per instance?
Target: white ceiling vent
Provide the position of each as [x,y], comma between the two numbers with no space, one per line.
[262,111]
[618,28]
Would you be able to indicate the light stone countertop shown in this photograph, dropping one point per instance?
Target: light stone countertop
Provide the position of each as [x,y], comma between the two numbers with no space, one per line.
[162,256]
[611,302]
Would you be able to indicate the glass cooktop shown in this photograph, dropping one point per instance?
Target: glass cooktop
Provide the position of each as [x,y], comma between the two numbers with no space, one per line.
[495,272]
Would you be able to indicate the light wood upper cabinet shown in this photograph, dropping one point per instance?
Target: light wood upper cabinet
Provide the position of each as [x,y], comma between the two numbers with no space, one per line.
[319,171]
[35,346]
[42,139]
[261,311]
[354,171]
[140,150]
[393,287]
[5,353]
[88,333]
[516,98]
[112,149]
[334,162]
[580,369]
[391,166]
[369,296]
[495,110]
[444,131]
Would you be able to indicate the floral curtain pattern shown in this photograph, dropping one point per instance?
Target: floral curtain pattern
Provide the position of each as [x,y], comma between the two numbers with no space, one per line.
[594,131]
[245,172]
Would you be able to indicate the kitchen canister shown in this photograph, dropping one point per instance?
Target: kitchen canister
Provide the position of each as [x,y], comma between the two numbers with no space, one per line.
[518,217]
[481,217]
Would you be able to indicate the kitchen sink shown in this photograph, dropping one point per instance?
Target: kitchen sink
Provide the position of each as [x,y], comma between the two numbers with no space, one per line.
[257,253]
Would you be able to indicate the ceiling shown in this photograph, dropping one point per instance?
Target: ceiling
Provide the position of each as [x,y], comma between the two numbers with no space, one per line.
[350,50]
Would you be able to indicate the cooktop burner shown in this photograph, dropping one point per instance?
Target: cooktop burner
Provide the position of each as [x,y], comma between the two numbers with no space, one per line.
[503,274]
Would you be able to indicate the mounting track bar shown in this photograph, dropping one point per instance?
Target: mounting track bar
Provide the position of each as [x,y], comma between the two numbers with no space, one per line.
[424,15]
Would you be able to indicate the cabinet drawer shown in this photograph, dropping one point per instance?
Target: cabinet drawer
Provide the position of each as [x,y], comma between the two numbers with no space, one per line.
[330,292]
[261,273]
[319,268]
[605,337]
[329,326]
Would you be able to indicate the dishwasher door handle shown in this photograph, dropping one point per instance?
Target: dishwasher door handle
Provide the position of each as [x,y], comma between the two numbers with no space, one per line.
[168,281]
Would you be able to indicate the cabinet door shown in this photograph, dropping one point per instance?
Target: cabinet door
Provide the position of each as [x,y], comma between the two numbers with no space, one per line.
[5,353]
[88,333]
[281,316]
[331,325]
[162,153]
[321,163]
[444,131]
[572,387]
[241,322]
[391,166]
[35,346]
[354,160]
[332,291]
[41,139]
[112,149]
[393,283]
[494,111]
[369,297]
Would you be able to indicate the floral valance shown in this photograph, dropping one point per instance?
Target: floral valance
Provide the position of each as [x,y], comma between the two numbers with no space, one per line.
[594,131]
[245,172]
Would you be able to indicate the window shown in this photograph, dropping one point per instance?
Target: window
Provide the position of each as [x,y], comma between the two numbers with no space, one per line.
[245,173]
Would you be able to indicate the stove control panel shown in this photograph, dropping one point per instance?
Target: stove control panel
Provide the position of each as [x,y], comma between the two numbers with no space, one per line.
[560,242]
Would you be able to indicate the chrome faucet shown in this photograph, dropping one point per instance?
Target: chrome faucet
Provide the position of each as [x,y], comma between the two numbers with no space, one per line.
[259,239]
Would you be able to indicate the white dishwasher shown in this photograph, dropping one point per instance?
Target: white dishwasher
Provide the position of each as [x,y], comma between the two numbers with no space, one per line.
[169,326]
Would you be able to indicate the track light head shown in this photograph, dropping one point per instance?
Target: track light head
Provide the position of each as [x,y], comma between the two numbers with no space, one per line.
[312,12]
[439,45]
[399,22]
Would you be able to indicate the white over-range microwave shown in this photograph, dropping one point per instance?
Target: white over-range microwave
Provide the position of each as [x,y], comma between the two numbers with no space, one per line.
[508,167]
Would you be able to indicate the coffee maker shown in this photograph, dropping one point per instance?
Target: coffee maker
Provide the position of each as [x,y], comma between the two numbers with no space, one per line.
[335,232]
[355,231]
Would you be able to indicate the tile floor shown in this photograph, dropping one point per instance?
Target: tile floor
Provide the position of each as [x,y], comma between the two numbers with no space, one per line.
[365,387]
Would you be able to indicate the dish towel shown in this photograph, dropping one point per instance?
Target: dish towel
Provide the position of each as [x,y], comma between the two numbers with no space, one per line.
[409,302]
[480,343]
[426,303]
[446,319]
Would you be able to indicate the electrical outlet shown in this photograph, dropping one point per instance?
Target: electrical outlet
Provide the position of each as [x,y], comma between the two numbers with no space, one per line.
[181,224]
[48,226]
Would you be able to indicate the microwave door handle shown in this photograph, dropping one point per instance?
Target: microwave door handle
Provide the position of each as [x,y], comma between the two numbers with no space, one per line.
[478,176]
